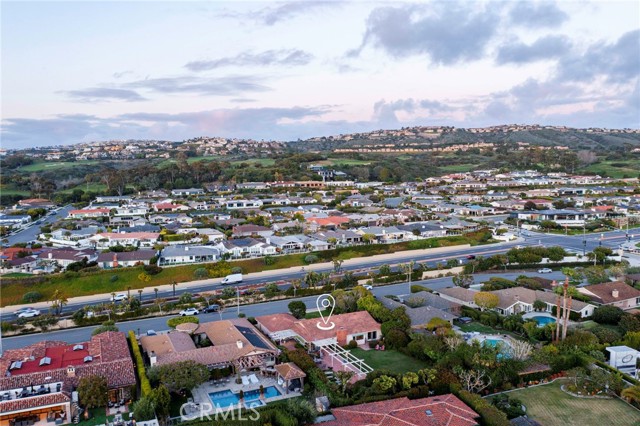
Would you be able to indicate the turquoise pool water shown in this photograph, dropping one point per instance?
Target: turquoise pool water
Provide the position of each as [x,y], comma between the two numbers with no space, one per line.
[227,398]
[542,321]
[496,342]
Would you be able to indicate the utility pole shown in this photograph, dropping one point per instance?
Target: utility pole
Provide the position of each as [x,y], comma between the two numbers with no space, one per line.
[238,295]
[584,239]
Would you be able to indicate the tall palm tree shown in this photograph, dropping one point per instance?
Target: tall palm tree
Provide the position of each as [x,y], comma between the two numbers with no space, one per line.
[571,291]
[558,290]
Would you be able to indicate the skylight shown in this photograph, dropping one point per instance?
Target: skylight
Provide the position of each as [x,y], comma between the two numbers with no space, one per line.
[78,347]
[429,413]
[45,361]
[15,365]
[88,358]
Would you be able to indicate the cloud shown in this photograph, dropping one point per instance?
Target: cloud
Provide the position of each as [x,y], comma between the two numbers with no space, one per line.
[446,32]
[273,14]
[220,86]
[544,48]
[97,94]
[384,113]
[537,15]
[617,62]
[257,123]
[287,57]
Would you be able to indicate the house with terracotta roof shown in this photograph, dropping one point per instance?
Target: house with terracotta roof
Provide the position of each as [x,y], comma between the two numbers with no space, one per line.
[615,293]
[38,381]
[438,410]
[235,343]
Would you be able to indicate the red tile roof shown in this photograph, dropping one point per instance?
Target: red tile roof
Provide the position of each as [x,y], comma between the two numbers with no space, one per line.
[443,410]
[34,401]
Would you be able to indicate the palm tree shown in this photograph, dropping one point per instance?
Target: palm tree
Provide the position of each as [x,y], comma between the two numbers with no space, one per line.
[174,284]
[558,290]
[155,290]
[128,292]
[140,294]
[571,291]
[631,394]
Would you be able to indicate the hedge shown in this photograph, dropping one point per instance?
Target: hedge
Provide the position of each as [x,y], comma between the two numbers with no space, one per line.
[489,415]
[416,288]
[609,368]
[173,322]
[145,386]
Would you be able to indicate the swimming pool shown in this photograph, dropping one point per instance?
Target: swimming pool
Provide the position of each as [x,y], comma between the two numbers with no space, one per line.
[226,398]
[504,346]
[495,342]
[542,321]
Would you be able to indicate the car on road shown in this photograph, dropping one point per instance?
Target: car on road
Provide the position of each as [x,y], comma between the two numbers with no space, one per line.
[211,308]
[189,312]
[119,297]
[367,287]
[151,333]
[29,314]
[25,309]
[471,256]
[545,271]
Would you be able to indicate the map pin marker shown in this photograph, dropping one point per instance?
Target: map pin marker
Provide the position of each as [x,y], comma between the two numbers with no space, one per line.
[323,302]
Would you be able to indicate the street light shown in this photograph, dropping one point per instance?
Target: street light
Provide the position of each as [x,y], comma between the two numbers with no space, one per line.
[584,239]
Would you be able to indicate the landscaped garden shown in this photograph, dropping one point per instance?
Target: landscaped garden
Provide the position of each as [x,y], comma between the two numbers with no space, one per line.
[549,405]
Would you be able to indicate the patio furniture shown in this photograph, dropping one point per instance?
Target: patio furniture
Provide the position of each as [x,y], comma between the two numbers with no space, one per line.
[245,380]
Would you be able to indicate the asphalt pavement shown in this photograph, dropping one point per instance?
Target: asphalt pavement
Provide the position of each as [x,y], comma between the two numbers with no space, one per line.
[31,233]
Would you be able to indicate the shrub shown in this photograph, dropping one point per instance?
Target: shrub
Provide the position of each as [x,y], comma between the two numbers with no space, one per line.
[352,344]
[489,414]
[236,270]
[242,315]
[252,320]
[32,297]
[310,258]
[113,278]
[416,288]
[298,309]
[145,386]
[173,322]
[152,269]
[607,315]
[106,326]
[606,335]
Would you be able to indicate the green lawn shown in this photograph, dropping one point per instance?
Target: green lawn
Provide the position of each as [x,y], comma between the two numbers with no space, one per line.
[10,191]
[389,359]
[616,169]
[92,187]
[344,162]
[265,162]
[549,405]
[56,165]
[98,416]
[458,168]
[16,275]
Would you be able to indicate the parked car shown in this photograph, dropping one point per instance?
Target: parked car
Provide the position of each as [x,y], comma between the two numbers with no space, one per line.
[545,271]
[188,312]
[211,308]
[151,333]
[367,287]
[119,297]
[471,256]
[29,314]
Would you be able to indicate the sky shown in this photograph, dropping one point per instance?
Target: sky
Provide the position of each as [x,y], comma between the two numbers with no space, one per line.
[81,71]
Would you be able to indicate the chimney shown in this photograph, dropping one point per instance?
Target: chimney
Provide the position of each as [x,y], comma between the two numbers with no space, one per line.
[115,260]
[615,293]
[50,255]
[71,371]
[186,248]
[341,336]
[152,359]
[240,344]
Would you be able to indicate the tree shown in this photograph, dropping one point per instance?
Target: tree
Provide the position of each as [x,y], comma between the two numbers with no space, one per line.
[298,309]
[473,380]
[312,278]
[462,280]
[539,305]
[596,274]
[631,394]
[201,273]
[368,238]
[162,401]
[384,383]
[519,350]
[607,315]
[303,410]
[92,391]
[486,300]
[58,302]
[144,408]
[343,377]
[427,375]
[182,375]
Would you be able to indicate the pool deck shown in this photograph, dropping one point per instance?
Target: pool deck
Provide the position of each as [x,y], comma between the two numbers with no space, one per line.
[201,393]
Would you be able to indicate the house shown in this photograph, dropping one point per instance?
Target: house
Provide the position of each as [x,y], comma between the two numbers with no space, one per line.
[124,259]
[133,239]
[169,207]
[421,315]
[249,230]
[35,203]
[357,201]
[88,213]
[235,343]
[424,229]
[243,204]
[385,234]
[515,300]
[245,247]
[187,192]
[615,293]
[12,219]
[329,222]
[38,381]
[131,211]
[287,244]
[338,237]
[359,326]
[173,255]
[432,411]
[63,257]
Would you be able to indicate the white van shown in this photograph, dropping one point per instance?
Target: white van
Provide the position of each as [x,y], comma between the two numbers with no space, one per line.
[232,279]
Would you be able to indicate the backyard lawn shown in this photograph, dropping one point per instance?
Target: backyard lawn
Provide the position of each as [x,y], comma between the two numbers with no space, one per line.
[389,359]
[549,405]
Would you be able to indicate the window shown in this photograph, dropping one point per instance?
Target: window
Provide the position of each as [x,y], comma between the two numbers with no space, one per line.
[637,300]
[16,365]
[45,361]
[88,358]
[372,335]
[78,347]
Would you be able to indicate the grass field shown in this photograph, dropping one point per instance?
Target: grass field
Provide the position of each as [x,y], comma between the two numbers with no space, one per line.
[344,162]
[92,187]
[458,168]
[549,405]
[56,165]
[616,169]
[265,162]
[9,191]
[390,360]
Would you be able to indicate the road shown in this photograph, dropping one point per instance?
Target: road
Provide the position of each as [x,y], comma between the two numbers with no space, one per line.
[430,258]
[31,233]
[160,323]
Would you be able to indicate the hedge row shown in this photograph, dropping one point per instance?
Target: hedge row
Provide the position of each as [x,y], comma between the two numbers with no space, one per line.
[145,386]
[489,415]
[417,288]
[609,368]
